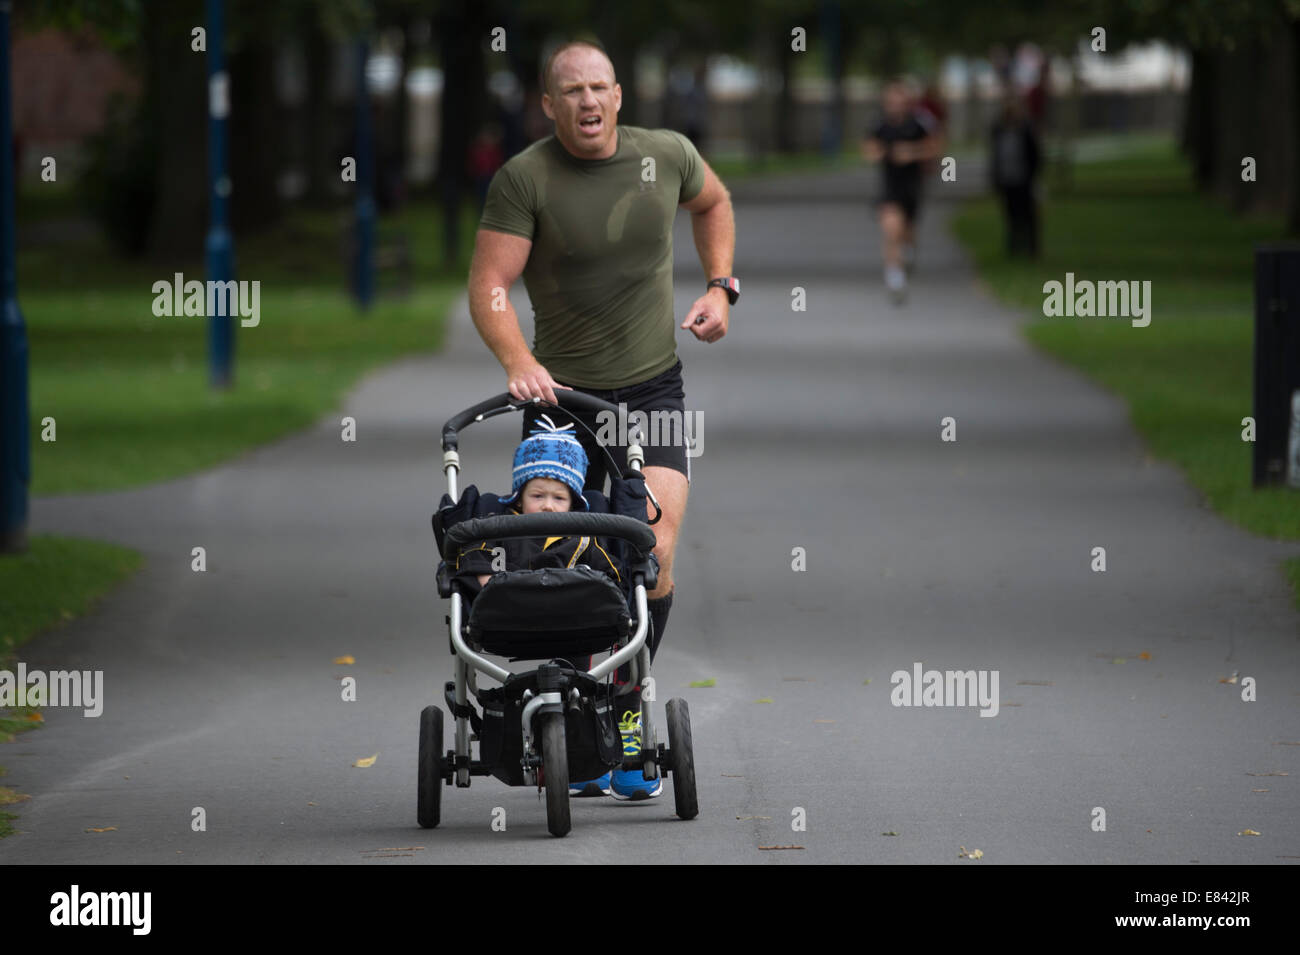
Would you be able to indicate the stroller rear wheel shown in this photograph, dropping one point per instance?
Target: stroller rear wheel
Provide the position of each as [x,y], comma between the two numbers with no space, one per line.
[555,768]
[683,759]
[429,783]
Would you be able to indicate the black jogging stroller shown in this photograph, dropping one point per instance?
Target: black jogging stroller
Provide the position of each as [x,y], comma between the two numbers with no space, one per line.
[554,723]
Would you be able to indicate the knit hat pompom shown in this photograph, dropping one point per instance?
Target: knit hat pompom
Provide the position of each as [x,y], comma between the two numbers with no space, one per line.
[550,452]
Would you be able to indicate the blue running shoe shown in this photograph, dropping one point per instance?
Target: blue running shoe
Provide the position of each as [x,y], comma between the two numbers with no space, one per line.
[592,787]
[627,783]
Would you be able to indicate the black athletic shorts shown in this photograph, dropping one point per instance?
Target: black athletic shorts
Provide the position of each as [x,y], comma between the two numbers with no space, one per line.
[905,199]
[664,446]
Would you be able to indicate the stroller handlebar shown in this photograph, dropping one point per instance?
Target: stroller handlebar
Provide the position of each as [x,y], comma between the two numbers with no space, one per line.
[564,524]
[505,402]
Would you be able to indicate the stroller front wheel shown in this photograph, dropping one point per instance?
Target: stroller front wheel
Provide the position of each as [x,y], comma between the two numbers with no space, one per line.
[555,769]
[683,759]
[429,783]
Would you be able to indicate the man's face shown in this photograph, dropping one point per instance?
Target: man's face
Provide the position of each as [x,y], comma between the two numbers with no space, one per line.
[545,496]
[895,101]
[584,100]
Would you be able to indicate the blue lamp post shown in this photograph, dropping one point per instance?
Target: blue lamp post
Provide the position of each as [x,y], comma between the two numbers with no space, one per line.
[15,449]
[220,247]
[363,278]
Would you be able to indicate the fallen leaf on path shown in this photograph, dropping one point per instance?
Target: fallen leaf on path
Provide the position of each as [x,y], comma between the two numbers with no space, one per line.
[780,847]
[732,776]
[891,832]
[866,681]
[1229,679]
[105,829]
[36,717]
[1268,774]
[1261,790]
[10,796]
[703,683]
[367,762]
[764,699]
[753,817]
[311,804]
[1011,704]
[1248,832]
[1144,655]
[345,660]
[973,854]
[1119,660]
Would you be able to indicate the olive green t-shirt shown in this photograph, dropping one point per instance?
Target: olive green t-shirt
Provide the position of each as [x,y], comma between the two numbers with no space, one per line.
[600,271]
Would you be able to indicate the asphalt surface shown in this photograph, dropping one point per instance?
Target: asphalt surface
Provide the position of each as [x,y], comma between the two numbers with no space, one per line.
[822,432]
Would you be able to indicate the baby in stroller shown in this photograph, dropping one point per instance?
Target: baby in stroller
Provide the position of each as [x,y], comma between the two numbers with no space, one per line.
[550,467]
[555,572]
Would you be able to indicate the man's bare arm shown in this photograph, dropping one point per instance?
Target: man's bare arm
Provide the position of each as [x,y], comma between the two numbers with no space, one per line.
[713,224]
[499,260]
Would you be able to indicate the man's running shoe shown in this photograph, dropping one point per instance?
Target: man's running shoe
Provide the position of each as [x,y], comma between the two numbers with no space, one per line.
[628,783]
[896,281]
[592,787]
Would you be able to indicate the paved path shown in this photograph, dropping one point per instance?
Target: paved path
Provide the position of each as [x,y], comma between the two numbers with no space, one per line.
[822,432]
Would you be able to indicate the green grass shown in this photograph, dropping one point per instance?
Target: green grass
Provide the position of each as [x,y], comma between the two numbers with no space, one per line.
[57,579]
[129,391]
[1291,568]
[732,168]
[129,394]
[1187,377]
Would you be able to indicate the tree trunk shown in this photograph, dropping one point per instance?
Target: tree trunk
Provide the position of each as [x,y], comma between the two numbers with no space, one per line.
[320,134]
[1237,133]
[1291,156]
[1198,126]
[462,101]
[175,98]
[622,50]
[399,131]
[255,125]
[783,105]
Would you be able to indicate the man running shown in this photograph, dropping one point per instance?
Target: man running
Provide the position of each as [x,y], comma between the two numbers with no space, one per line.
[586,217]
[903,142]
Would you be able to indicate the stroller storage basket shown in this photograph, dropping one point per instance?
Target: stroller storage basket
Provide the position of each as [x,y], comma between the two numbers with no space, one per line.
[593,744]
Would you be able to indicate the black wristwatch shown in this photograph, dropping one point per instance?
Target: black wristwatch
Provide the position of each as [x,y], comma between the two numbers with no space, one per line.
[731,285]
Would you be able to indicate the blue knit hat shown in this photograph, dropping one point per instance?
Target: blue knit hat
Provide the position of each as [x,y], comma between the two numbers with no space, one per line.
[550,452]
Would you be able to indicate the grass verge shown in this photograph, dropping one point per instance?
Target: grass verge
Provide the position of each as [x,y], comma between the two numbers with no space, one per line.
[120,397]
[1188,376]
[57,579]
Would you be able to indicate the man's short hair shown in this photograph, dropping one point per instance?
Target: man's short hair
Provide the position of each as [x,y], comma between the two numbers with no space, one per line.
[569,45]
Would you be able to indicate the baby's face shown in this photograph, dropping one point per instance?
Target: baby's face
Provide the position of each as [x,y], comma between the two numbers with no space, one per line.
[545,495]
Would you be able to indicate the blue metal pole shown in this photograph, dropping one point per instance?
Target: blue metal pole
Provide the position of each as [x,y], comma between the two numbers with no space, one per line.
[363,278]
[220,248]
[15,448]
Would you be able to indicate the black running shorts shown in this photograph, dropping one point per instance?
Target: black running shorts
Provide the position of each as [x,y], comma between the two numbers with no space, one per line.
[664,446]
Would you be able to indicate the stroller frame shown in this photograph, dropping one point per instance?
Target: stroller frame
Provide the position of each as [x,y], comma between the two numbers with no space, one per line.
[558,689]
